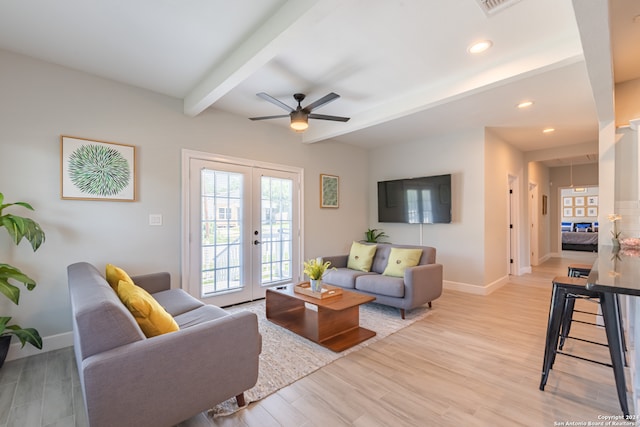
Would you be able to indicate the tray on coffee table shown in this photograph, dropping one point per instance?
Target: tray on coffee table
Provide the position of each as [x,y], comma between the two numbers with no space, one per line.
[328,291]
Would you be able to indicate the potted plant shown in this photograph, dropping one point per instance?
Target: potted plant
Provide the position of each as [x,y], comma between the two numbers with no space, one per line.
[373,235]
[314,269]
[18,228]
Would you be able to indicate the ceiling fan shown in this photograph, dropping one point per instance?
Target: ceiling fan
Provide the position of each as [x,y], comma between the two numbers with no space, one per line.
[300,115]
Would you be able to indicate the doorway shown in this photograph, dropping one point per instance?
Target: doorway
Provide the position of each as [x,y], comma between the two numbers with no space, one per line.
[512,239]
[533,224]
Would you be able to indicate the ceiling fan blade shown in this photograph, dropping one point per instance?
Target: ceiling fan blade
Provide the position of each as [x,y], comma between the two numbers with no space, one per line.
[333,118]
[272,100]
[269,117]
[322,101]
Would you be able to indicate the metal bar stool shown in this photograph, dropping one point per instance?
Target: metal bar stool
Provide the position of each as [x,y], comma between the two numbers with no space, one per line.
[583,270]
[568,287]
[575,270]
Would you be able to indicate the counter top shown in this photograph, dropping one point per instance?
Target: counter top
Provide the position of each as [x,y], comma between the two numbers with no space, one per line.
[615,270]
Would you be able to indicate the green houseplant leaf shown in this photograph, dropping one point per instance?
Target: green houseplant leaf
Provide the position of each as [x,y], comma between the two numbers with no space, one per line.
[12,292]
[18,228]
[373,235]
[27,335]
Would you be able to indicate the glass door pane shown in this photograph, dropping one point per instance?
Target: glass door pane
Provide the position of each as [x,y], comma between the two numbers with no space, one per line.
[222,236]
[276,223]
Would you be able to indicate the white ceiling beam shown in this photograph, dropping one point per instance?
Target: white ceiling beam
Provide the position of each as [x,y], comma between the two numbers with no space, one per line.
[528,64]
[592,17]
[290,23]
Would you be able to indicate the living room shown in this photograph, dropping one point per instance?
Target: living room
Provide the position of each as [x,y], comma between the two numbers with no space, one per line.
[42,101]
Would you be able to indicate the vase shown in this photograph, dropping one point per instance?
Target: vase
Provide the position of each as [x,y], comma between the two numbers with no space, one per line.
[316,285]
[615,242]
[5,341]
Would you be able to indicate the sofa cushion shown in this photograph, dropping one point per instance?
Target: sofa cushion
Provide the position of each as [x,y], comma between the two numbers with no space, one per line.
[151,317]
[115,274]
[361,256]
[176,301]
[343,277]
[401,259]
[381,285]
[200,315]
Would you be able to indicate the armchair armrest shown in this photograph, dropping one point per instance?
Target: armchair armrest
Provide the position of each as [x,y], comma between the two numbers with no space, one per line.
[167,379]
[337,261]
[423,283]
[154,282]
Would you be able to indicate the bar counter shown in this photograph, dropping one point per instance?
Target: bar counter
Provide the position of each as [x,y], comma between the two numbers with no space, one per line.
[617,271]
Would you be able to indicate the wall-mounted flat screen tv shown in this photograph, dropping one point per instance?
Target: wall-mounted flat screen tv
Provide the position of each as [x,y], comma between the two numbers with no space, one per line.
[425,200]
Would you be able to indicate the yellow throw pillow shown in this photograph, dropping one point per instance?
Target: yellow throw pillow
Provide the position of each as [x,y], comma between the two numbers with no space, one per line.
[361,256]
[400,259]
[115,274]
[152,318]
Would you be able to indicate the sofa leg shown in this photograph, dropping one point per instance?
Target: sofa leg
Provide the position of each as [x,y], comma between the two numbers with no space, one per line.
[429,304]
[240,400]
[402,313]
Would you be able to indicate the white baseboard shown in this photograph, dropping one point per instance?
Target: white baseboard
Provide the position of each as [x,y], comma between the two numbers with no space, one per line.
[544,258]
[53,342]
[524,270]
[476,289]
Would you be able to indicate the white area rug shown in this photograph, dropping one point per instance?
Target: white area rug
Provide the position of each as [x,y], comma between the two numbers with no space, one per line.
[287,357]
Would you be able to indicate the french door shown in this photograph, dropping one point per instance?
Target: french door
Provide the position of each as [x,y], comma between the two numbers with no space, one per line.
[244,229]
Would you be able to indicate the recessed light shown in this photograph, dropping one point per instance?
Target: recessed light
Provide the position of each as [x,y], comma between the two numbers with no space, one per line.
[525,104]
[480,46]
[548,130]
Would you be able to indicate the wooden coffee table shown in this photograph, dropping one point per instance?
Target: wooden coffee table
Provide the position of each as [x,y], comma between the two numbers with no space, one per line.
[331,322]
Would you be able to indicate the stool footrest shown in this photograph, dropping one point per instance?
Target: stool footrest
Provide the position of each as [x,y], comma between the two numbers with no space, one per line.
[589,341]
[587,312]
[588,323]
[584,358]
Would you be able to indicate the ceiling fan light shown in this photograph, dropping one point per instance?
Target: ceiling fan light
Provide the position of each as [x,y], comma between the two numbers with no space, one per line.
[299,121]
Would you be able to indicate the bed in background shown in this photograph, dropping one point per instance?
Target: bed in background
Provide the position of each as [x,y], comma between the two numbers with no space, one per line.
[579,236]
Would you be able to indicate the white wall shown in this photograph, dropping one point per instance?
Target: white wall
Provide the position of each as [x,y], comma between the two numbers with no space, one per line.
[41,101]
[501,160]
[539,173]
[627,177]
[626,101]
[460,244]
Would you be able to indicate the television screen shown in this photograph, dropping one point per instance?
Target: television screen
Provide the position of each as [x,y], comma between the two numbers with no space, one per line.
[425,200]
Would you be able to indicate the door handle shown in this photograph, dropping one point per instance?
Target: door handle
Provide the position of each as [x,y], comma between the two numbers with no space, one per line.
[256,242]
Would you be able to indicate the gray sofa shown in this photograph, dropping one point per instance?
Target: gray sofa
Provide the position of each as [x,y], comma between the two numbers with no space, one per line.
[420,285]
[130,380]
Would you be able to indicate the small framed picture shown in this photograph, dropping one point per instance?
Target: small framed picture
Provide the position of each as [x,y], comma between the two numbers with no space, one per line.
[97,170]
[592,211]
[567,201]
[329,191]
[567,212]
[592,200]
[579,211]
[579,201]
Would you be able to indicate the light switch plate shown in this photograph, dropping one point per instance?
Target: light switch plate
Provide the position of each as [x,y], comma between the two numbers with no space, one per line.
[155,219]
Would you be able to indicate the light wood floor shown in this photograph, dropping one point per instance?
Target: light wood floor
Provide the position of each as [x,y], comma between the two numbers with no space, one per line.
[475,361]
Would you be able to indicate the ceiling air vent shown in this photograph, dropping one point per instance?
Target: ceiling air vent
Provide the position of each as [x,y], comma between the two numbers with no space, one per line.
[491,7]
